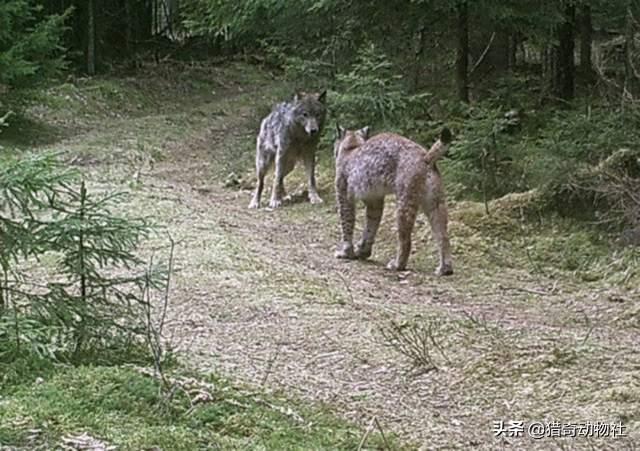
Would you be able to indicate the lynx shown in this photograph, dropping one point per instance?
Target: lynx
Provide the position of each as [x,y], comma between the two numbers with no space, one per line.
[369,169]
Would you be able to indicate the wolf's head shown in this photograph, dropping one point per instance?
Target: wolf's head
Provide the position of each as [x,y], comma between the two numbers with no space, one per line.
[309,111]
[347,140]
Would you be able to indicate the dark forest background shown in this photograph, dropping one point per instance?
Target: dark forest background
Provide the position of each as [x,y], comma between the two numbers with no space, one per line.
[536,91]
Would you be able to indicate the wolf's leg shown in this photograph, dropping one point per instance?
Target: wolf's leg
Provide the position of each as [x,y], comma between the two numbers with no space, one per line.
[277,193]
[374,215]
[310,167]
[347,210]
[406,212]
[264,159]
[289,166]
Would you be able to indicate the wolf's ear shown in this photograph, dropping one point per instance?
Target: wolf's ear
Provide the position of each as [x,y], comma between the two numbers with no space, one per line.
[322,97]
[364,132]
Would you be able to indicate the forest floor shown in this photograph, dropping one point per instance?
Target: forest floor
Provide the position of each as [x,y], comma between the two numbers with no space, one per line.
[539,324]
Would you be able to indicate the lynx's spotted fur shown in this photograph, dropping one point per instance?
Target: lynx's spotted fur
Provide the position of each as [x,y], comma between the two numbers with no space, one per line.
[368,169]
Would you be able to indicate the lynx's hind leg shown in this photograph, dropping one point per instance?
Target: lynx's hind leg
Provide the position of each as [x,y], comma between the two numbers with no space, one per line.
[406,212]
[374,210]
[438,219]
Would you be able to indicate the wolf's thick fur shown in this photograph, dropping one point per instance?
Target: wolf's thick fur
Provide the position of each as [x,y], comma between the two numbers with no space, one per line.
[288,134]
[368,169]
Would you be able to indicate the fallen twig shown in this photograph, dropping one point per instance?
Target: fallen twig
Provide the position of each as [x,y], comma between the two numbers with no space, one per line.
[381,432]
[366,433]
[484,53]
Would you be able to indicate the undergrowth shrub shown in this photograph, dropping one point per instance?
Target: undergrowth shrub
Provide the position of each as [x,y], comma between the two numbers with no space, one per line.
[30,42]
[229,24]
[31,50]
[585,162]
[71,282]
[481,159]
[372,93]
[589,164]
[420,340]
[307,72]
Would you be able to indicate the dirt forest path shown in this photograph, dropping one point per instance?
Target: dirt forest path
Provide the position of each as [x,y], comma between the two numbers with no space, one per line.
[263,299]
[259,296]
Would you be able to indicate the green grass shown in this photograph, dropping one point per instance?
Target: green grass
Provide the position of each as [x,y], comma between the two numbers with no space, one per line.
[121,406]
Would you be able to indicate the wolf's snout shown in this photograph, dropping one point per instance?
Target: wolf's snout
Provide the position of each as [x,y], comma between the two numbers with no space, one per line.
[312,127]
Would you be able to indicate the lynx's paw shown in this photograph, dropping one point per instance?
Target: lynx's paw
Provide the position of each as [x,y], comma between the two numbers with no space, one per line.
[345,251]
[254,203]
[363,250]
[444,270]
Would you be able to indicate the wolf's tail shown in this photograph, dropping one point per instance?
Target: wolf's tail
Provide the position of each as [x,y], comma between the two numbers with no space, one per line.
[440,147]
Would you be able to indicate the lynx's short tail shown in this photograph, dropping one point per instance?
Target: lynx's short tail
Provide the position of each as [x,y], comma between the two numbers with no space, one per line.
[440,147]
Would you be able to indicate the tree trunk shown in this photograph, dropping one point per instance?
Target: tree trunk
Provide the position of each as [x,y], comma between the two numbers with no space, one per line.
[173,8]
[128,11]
[417,57]
[513,50]
[91,38]
[632,79]
[565,71]
[143,14]
[462,57]
[2,301]
[586,38]
[503,53]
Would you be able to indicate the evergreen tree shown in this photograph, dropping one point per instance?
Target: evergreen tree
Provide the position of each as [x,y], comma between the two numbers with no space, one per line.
[94,294]
[31,43]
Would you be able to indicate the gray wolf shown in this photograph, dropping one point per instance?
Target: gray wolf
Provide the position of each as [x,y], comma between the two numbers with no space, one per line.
[368,169]
[288,134]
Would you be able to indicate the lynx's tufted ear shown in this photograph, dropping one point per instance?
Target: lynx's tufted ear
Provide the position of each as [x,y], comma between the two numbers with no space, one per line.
[445,135]
[364,132]
[322,97]
[340,131]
